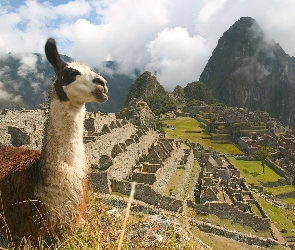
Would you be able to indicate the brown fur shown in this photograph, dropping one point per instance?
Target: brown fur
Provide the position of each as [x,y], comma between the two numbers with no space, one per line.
[19,178]
[20,214]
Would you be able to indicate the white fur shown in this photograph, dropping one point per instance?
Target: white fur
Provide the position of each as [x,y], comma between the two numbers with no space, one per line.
[65,170]
[81,90]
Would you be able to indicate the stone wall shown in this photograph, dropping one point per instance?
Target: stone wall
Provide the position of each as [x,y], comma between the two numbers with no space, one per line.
[231,212]
[146,194]
[144,177]
[106,142]
[286,195]
[94,122]
[19,136]
[140,207]
[99,181]
[22,128]
[246,238]
[276,167]
[125,162]
[280,182]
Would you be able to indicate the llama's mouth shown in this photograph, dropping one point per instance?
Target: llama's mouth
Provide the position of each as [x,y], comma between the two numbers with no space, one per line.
[100,93]
[100,97]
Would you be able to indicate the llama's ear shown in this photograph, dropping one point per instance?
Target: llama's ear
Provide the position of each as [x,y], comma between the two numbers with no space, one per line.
[53,56]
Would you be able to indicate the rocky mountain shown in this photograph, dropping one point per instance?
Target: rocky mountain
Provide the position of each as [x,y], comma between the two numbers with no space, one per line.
[247,70]
[26,78]
[144,86]
[147,88]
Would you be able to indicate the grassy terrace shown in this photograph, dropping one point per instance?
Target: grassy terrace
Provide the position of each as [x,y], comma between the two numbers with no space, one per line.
[252,171]
[282,218]
[190,180]
[183,124]
[234,226]
[174,182]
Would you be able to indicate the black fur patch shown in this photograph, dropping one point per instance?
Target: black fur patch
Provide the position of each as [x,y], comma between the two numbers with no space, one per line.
[69,76]
[65,77]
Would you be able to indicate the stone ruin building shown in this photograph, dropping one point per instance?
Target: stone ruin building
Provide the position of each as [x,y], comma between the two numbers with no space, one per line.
[138,113]
[222,191]
[249,129]
[120,152]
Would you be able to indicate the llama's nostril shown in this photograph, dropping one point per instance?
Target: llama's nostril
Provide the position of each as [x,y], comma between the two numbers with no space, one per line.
[98,81]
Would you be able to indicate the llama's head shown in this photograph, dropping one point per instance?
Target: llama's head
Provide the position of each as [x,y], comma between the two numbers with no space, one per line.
[75,82]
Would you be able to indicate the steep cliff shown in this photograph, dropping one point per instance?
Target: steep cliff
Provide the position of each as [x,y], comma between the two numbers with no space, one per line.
[248,70]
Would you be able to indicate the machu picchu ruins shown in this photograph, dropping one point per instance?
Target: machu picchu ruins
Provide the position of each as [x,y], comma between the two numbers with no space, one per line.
[125,147]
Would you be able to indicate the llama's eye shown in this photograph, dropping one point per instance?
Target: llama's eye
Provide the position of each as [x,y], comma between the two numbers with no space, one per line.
[69,76]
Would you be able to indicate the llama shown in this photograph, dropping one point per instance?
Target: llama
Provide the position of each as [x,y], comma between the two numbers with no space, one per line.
[43,193]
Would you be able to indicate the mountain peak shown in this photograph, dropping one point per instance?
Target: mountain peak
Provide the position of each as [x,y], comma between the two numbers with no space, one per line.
[247,21]
[248,71]
[144,86]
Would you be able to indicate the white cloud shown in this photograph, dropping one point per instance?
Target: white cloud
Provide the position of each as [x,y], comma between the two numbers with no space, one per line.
[176,57]
[210,9]
[74,9]
[28,65]
[174,38]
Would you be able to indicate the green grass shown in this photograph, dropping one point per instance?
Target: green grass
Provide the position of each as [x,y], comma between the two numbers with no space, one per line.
[190,180]
[282,218]
[174,181]
[290,200]
[183,124]
[256,210]
[280,189]
[252,171]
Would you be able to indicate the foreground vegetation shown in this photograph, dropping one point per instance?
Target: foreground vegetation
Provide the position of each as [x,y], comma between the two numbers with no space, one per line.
[102,230]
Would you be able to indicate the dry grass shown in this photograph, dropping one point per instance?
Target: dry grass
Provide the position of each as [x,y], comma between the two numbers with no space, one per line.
[102,230]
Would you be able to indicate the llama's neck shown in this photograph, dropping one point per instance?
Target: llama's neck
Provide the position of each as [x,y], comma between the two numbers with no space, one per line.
[64,170]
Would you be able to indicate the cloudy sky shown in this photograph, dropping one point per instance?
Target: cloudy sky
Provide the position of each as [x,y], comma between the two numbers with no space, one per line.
[172,38]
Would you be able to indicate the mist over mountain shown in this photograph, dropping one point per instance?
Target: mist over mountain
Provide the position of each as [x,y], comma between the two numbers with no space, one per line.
[25,80]
[247,70]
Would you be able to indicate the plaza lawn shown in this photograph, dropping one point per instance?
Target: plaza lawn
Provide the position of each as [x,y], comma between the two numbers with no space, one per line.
[189,128]
[252,171]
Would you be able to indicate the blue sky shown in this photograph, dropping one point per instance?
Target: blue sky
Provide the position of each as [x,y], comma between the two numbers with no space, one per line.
[171,38]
